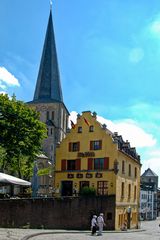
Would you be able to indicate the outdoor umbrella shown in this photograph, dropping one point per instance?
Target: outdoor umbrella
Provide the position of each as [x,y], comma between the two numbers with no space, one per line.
[8,179]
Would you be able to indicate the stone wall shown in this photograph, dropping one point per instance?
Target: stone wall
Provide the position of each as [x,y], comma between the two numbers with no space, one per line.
[67,213]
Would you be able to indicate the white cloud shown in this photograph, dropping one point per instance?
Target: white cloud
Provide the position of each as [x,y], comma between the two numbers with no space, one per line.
[3,92]
[73,117]
[135,134]
[2,86]
[7,79]
[129,130]
[155,28]
[152,163]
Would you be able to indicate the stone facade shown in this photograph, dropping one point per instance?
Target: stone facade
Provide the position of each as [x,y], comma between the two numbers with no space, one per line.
[55,116]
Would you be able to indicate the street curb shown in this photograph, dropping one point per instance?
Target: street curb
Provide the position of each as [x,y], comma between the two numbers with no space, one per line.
[78,232]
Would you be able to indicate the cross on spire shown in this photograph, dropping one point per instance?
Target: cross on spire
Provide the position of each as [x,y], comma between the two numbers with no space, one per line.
[51,5]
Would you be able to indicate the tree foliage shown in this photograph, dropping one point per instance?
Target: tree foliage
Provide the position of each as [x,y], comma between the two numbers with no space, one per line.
[88,192]
[21,135]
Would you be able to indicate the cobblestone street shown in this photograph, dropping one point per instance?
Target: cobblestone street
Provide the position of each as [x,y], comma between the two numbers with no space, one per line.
[149,230]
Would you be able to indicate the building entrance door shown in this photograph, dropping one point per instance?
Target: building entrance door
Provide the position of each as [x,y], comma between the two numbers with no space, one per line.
[67,188]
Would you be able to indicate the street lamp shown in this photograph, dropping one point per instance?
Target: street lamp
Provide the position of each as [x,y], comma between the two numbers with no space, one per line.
[35,184]
[129,217]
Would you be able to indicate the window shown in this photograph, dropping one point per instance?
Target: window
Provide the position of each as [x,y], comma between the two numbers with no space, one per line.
[129,190]
[122,190]
[102,187]
[98,163]
[79,129]
[135,172]
[129,170]
[74,147]
[47,116]
[74,164]
[123,167]
[52,115]
[91,128]
[51,147]
[71,165]
[51,131]
[135,192]
[47,132]
[96,145]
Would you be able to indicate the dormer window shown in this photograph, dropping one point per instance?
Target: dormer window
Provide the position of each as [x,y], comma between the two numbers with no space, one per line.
[91,128]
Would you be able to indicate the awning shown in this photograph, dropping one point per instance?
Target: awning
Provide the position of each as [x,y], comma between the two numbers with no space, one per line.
[8,179]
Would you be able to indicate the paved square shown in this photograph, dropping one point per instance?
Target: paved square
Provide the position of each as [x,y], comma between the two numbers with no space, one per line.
[149,230]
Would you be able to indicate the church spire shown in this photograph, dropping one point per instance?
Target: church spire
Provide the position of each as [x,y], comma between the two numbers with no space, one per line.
[48,87]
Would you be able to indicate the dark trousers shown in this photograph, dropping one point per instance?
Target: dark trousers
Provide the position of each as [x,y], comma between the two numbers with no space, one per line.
[94,230]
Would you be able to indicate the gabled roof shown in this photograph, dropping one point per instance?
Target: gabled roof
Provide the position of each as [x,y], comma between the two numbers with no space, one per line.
[48,87]
[149,173]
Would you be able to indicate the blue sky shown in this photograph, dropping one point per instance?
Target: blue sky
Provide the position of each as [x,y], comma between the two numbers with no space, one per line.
[109,60]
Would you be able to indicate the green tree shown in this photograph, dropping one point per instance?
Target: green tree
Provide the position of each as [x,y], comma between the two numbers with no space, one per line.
[21,136]
[2,156]
[88,192]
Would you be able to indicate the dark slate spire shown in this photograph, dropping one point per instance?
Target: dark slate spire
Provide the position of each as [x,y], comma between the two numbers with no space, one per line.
[48,87]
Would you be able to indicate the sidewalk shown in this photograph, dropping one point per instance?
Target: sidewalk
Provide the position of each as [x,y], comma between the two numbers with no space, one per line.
[35,234]
[73,232]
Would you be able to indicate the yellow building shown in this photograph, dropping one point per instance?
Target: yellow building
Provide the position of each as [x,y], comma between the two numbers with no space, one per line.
[93,156]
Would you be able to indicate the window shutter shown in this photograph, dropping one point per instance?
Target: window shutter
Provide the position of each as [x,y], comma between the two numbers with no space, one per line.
[70,147]
[78,164]
[100,144]
[90,163]
[106,163]
[78,146]
[91,145]
[63,165]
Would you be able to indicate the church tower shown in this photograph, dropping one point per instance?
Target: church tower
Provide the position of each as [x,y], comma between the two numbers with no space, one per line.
[48,98]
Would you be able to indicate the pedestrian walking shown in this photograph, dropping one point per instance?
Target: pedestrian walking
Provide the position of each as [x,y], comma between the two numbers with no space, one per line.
[94,224]
[101,224]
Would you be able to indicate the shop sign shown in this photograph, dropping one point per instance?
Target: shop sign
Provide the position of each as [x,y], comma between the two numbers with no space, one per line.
[89,175]
[70,175]
[98,175]
[86,154]
[79,175]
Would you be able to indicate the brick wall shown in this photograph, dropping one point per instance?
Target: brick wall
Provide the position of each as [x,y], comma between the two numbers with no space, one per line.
[50,213]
